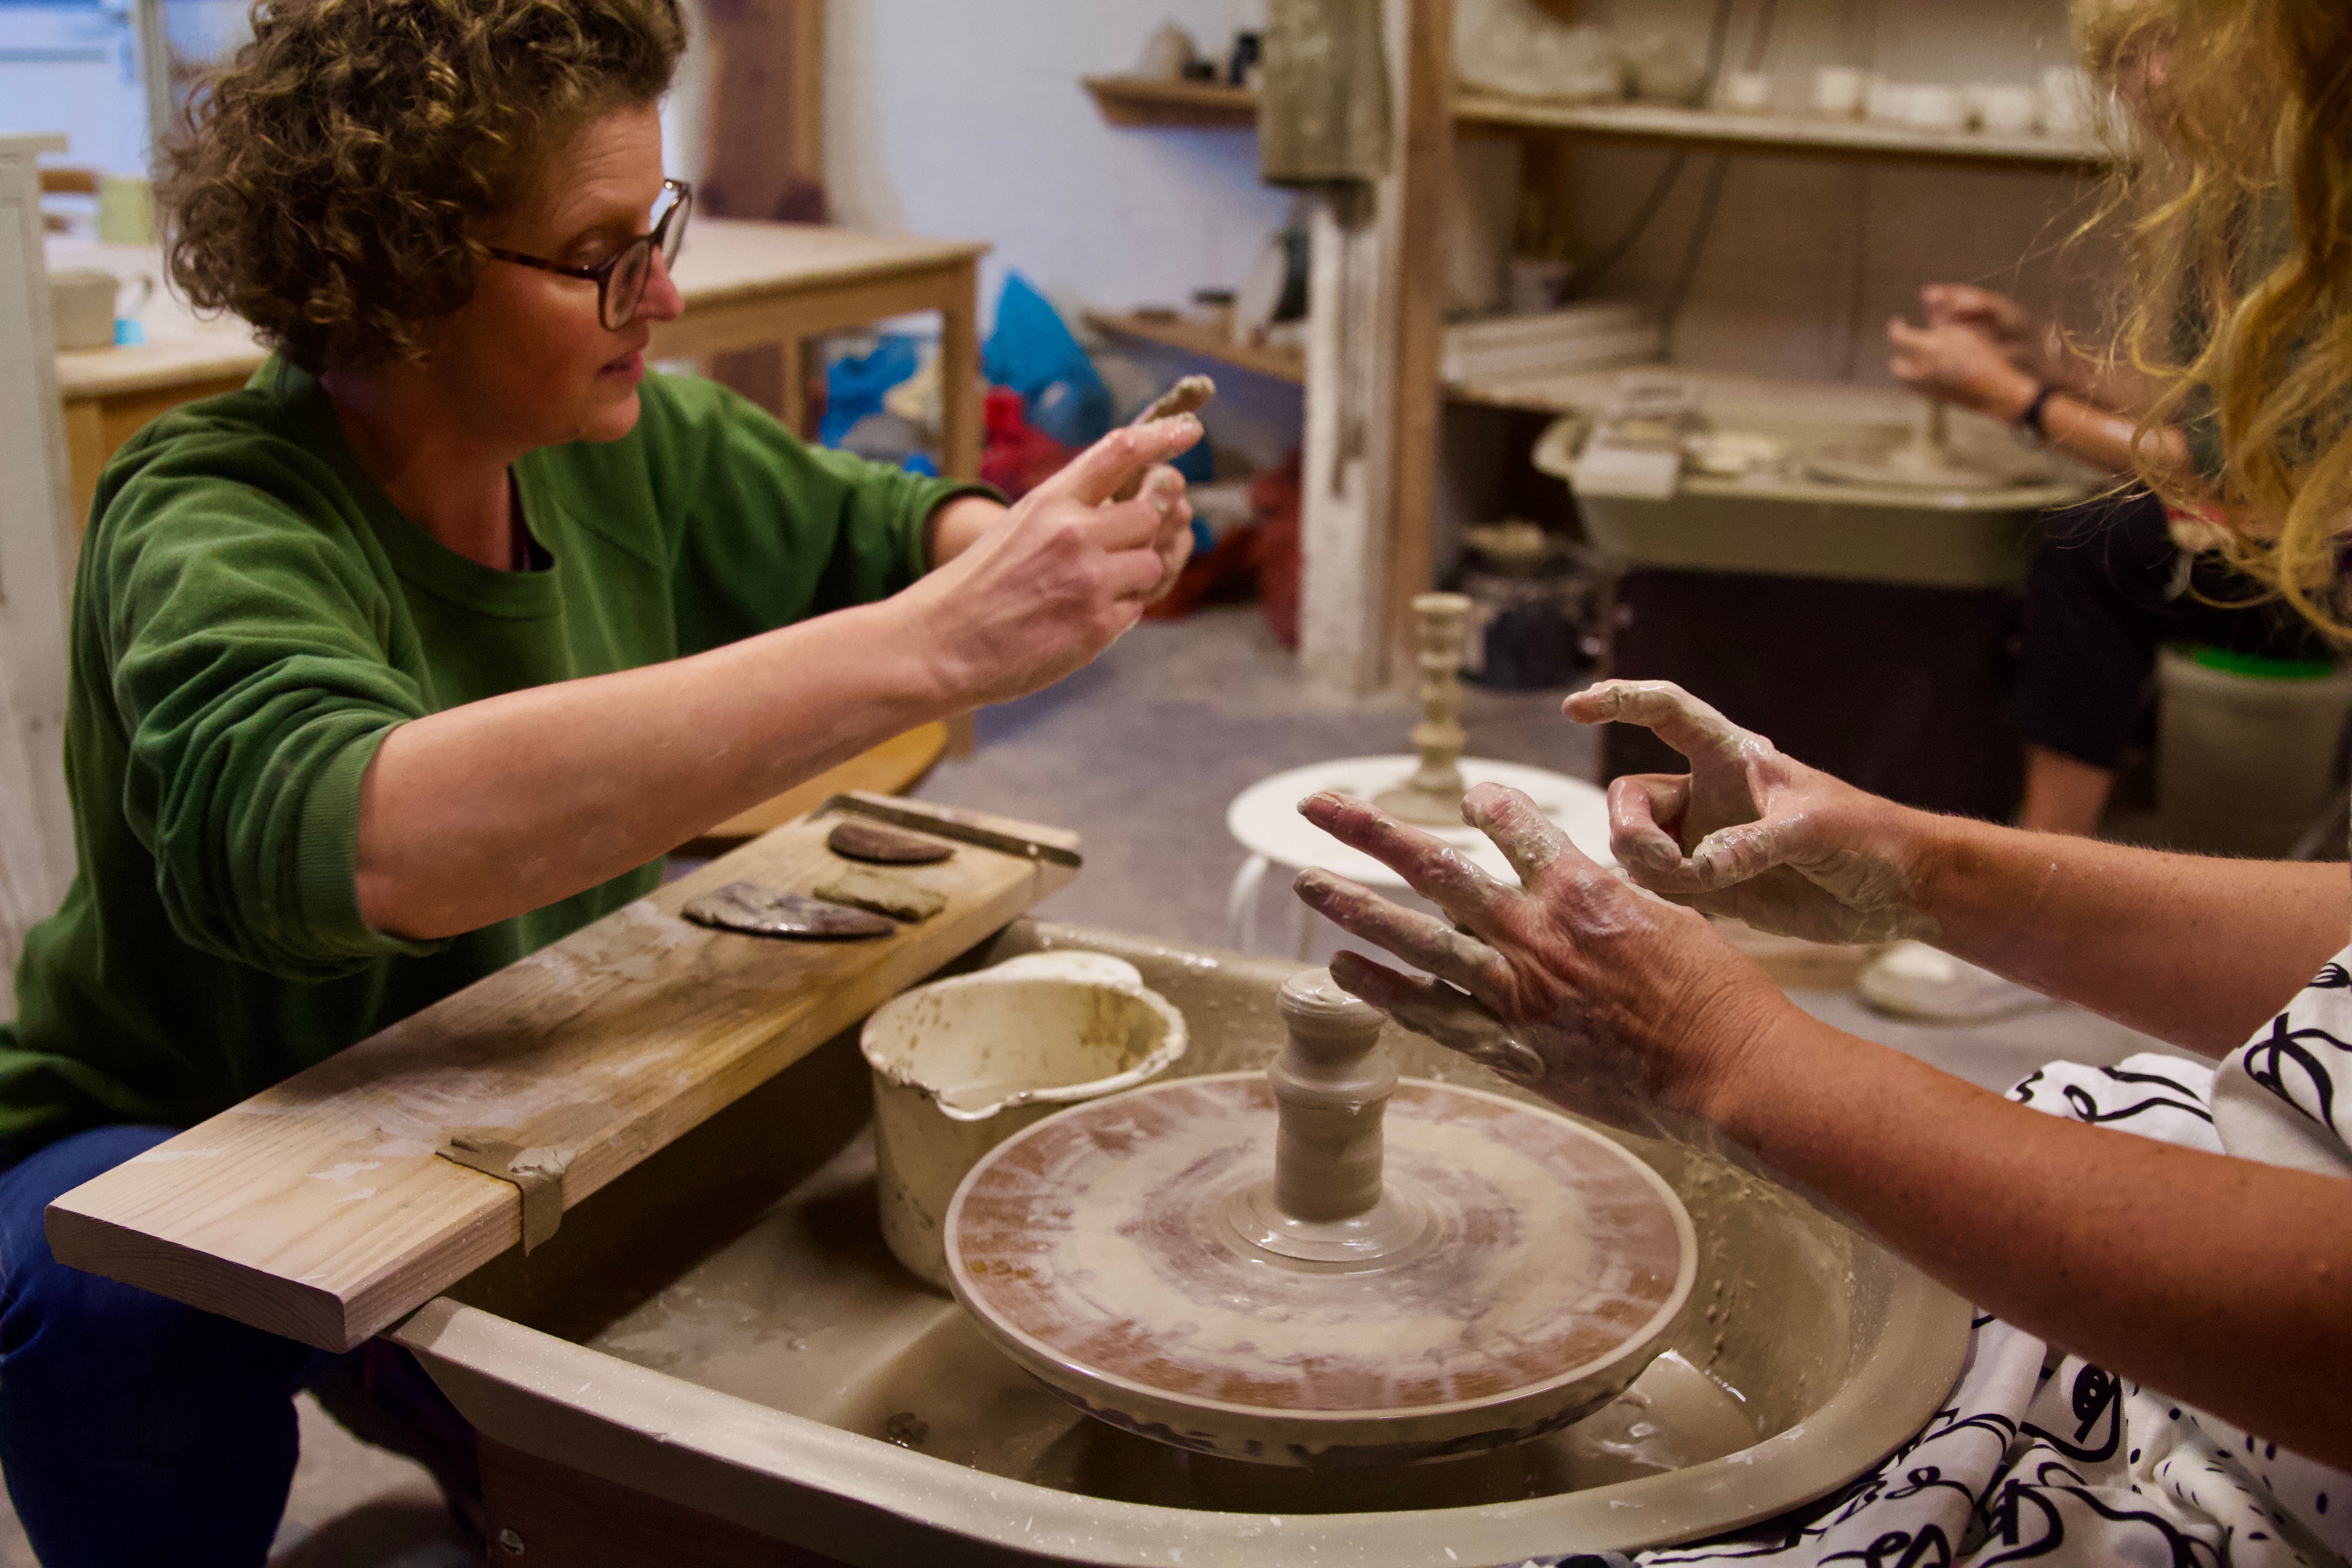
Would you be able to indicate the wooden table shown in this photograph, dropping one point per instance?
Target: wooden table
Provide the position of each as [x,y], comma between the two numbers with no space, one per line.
[747,285]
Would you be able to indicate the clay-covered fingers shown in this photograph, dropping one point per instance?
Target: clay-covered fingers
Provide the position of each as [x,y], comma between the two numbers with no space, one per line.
[1645,816]
[1667,712]
[1441,1011]
[1097,474]
[1423,941]
[1529,840]
[1430,866]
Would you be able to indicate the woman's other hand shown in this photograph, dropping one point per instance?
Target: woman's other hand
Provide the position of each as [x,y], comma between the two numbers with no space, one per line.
[1612,1004]
[1753,834]
[1061,575]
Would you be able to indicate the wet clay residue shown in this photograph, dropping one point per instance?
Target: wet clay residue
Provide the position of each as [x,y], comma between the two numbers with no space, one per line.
[1555,1250]
[756,911]
[882,893]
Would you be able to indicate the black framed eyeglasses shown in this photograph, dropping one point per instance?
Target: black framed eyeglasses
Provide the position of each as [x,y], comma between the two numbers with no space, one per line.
[621,277]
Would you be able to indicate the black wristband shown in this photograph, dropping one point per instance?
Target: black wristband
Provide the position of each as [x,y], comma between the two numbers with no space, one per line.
[2031,420]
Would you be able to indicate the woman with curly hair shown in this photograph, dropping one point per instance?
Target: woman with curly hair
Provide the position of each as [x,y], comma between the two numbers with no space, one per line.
[2160,1252]
[420,651]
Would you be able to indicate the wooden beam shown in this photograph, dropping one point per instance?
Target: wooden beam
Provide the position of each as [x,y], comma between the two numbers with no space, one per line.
[1425,166]
[318,1209]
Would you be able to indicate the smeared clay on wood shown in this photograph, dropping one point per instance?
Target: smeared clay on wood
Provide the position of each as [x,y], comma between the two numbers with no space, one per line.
[856,839]
[882,893]
[756,911]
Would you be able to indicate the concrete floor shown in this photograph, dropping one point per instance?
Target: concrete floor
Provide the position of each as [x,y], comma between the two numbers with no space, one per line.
[1140,753]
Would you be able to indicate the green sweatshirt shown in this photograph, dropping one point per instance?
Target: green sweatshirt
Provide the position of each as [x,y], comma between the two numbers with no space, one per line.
[252,617]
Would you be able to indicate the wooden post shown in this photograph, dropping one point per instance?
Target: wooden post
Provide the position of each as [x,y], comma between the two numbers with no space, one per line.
[1376,294]
[37,536]
[1425,166]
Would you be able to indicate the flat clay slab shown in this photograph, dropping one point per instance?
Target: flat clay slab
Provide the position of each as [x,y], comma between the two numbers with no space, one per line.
[882,893]
[762,911]
[857,840]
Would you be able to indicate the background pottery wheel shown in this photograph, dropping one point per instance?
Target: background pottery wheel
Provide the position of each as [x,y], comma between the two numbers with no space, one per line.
[1925,461]
[1516,1272]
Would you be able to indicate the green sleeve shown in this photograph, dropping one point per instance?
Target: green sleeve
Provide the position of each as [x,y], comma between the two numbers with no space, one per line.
[773,531]
[245,639]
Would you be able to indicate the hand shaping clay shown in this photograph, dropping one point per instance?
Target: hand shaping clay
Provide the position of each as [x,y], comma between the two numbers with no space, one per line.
[763,911]
[857,840]
[883,893]
[1187,396]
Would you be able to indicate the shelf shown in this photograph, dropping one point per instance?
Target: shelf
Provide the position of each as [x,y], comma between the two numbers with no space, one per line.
[1134,100]
[1658,125]
[1139,101]
[1192,338]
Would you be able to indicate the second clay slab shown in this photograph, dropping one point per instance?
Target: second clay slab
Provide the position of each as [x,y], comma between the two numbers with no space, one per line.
[1097,1248]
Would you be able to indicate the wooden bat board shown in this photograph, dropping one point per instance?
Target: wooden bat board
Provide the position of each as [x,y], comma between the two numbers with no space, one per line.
[318,1209]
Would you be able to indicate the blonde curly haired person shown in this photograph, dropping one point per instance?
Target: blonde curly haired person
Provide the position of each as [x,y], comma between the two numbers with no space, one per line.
[420,651]
[2160,1252]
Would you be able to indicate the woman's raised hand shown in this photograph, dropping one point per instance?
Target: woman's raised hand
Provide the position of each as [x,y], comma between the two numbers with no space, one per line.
[1062,575]
[1615,1006]
[1754,834]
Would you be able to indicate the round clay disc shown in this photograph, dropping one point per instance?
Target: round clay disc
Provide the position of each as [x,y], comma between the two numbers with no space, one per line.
[1095,1246]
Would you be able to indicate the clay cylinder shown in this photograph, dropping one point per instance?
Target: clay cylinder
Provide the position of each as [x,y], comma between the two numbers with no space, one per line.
[1331,1084]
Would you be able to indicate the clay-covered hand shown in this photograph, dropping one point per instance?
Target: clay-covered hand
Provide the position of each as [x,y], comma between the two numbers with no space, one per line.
[2033,345]
[1753,834]
[1609,1004]
[1955,363]
[1060,576]
[1164,487]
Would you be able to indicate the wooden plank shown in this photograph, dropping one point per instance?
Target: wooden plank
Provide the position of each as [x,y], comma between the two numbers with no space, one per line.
[319,1210]
[1425,168]
[1786,135]
[1192,338]
[1138,101]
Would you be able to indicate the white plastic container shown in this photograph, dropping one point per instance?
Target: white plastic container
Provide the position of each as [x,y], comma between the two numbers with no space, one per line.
[2245,763]
[962,1064]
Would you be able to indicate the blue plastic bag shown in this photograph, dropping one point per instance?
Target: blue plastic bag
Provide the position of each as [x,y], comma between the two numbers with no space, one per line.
[854,386]
[1032,352]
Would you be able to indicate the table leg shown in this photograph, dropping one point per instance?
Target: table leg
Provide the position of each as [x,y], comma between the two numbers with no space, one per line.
[960,388]
[794,408]
[1240,904]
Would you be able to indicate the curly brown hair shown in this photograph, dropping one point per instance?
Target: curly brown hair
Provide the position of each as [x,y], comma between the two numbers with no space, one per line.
[326,179]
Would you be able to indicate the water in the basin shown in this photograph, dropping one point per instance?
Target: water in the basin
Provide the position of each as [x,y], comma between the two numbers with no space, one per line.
[954,1396]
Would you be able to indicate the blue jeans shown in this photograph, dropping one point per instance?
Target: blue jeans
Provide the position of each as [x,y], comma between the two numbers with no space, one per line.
[135,1430]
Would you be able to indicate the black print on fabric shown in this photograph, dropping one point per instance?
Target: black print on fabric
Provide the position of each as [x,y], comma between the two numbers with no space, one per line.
[2096,1395]
[2267,1062]
[2085,1106]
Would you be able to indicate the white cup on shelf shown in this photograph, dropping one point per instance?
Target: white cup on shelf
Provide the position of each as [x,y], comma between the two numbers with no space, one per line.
[1932,106]
[2003,109]
[1887,101]
[1839,92]
[1748,93]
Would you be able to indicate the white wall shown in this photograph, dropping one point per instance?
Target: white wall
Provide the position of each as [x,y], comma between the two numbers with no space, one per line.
[968,119]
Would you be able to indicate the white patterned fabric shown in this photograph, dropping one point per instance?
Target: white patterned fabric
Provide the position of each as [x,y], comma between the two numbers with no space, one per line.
[2039,1456]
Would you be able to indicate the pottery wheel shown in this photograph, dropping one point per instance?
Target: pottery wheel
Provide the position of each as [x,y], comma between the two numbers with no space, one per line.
[1913,465]
[1516,1272]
